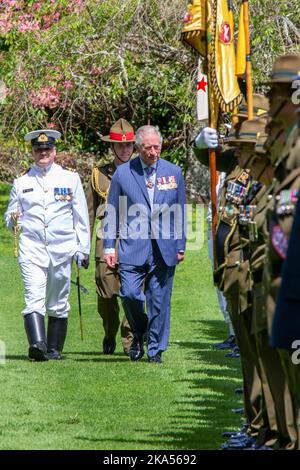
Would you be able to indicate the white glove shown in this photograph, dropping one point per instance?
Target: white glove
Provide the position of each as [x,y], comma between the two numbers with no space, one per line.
[80,259]
[207,138]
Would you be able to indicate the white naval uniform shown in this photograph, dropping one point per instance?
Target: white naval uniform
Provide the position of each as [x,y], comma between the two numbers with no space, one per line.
[54,226]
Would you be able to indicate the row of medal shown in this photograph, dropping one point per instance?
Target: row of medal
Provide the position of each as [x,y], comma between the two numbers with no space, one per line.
[246,214]
[63,194]
[235,192]
[287,200]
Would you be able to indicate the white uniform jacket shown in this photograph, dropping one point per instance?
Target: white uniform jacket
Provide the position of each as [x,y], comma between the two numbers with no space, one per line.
[54,216]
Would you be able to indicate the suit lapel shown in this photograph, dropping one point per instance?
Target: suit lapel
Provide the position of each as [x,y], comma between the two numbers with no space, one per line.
[138,173]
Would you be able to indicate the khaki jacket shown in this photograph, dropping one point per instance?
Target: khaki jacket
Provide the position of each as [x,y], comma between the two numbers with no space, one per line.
[96,195]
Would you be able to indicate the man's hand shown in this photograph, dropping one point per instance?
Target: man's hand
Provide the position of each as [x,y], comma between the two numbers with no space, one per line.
[81,259]
[207,138]
[110,259]
[180,257]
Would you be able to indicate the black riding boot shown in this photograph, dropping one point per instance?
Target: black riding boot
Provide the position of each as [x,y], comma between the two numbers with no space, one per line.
[35,329]
[56,335]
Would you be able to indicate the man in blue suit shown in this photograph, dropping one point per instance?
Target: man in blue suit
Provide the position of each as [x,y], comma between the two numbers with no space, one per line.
[146,205]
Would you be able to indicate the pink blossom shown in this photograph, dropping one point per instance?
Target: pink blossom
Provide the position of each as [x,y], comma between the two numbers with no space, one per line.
[46,97]
[5,23]
[36,5]
[68,85]
[12,4]
[97,70]
[26,22]
[50,125]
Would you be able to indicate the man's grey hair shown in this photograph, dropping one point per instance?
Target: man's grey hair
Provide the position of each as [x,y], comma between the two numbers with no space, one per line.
[142,131]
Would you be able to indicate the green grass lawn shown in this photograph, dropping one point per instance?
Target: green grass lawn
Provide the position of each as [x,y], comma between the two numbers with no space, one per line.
[92,401]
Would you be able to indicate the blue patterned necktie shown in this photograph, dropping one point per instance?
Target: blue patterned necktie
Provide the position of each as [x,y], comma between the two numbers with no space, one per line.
[150,170]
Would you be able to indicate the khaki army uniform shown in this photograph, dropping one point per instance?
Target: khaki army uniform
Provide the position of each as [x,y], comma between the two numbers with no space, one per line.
[280,225]
[232,276]
[278,400]
[264,425]
[107,280]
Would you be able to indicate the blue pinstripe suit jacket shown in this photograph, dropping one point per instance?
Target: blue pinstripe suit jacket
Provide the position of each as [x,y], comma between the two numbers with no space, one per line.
[137,224]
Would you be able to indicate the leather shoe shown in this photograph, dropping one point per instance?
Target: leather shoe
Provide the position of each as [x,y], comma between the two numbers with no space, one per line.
[238,410]
[109,345]
[54,354]
[238,444]
[237,434]
[259,447]
[239,391]
[136,351]
[229,343]
[234,353]
[156,358]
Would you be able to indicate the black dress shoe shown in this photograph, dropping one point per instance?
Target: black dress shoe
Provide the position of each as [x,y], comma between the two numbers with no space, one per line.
[259,447]
[227,344]
[156,358]
[234,353]
[239,391]
[54,355]
[136,351]
[109,345]
[38,352]
[236,434]
[238,411]
[238,444]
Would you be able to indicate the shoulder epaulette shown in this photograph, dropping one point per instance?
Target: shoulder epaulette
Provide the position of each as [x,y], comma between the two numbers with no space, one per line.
[23,172]
[68,168]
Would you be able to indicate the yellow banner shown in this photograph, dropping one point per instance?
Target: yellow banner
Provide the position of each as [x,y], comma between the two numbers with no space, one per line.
[194,27]
[241,46]
[208,28]
[225,82]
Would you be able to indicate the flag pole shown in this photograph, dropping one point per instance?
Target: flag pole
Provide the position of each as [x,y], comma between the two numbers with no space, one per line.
[248,60]
[212,168]
[213,195]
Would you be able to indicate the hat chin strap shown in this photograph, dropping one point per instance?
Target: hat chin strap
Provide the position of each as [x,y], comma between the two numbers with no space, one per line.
[117,157]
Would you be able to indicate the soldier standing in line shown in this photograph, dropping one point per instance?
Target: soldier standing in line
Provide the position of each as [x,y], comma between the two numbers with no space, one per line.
[252,219]
[286,160]
[237,282]
[121,138]
[231,274]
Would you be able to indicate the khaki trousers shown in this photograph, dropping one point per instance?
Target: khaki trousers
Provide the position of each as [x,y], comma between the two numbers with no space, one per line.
[107,286]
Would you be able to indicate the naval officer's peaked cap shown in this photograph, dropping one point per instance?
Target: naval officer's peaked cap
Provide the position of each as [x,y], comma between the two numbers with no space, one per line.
[43,138]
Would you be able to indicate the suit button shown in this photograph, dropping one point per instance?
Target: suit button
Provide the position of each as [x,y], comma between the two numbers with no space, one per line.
[46,244]
[46,226]
[46,190]
[46,208]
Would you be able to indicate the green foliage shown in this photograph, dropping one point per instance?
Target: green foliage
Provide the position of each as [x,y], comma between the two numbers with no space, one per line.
[88,69]
[100,60]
